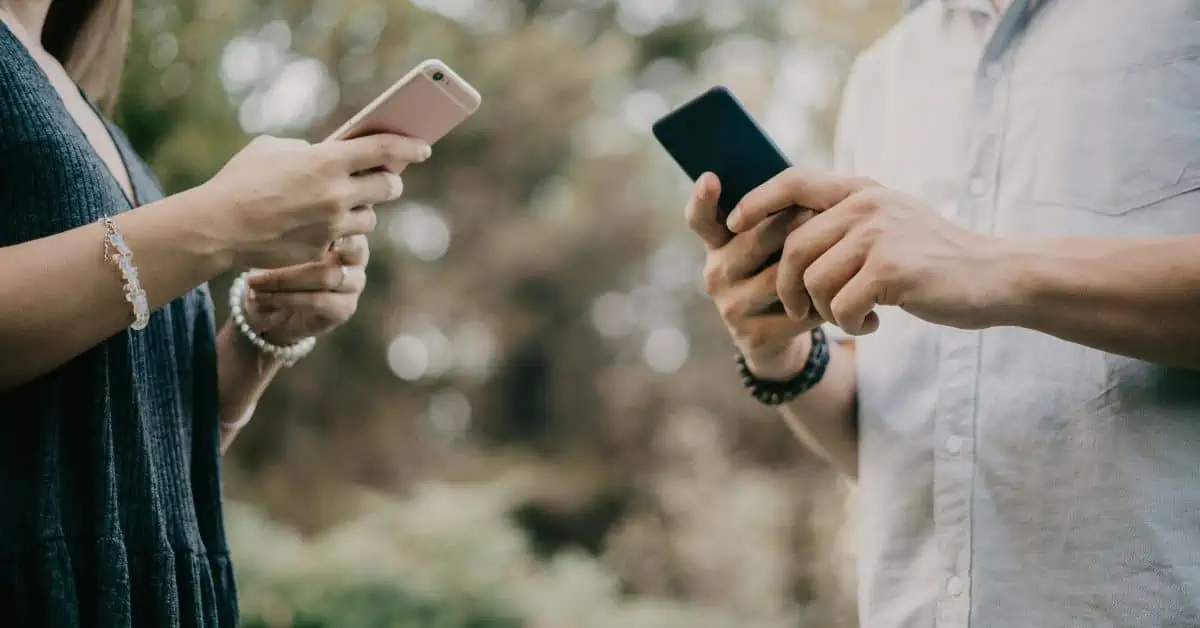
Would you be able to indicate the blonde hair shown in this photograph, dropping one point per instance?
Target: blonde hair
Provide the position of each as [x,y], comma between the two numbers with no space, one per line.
[90,38]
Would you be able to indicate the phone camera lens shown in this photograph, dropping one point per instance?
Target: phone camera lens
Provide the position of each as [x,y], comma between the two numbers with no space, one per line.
[438,76]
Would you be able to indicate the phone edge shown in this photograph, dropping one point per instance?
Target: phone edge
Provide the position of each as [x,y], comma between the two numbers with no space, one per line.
[416,71]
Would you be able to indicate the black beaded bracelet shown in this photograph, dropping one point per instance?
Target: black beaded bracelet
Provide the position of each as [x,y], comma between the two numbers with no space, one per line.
[774,393]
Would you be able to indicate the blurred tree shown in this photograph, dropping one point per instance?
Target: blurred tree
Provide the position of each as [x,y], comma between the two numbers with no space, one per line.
[534,293]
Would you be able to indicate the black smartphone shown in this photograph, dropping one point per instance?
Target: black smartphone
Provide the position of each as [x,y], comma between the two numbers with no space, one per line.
[714,133]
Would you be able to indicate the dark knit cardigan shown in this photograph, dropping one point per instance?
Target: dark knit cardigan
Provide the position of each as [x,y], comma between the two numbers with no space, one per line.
[110,483]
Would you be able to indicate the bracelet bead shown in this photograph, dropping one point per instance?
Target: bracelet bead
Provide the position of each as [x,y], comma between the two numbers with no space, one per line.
[774,393]
[288,354]
[117,253]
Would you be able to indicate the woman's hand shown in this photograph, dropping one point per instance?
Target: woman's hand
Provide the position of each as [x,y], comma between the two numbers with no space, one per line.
[288,304]
[281,202]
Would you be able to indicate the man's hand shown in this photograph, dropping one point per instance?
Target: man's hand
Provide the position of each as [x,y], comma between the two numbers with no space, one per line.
[741,274]
[287,304]
[868,246]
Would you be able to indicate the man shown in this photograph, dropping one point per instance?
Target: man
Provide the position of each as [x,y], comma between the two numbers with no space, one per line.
[1021,403]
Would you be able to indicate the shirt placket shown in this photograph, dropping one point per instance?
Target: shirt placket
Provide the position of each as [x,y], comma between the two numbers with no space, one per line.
[959,359]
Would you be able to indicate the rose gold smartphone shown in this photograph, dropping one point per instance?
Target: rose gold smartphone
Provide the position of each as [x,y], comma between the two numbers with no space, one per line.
[426,104]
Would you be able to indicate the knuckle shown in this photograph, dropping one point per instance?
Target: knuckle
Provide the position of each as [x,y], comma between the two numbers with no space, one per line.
[769,277]
[793,253]
[869,199]
[730,309]
[391,149]
[338,197]
[864,183]
[714,277]
[346,309]
[796,179]
[327,162]
[370,221]
[813,282]
[871,231]
[885,268]
[793,176]
[797,299]
[841,313]
[330,206]
[330,277]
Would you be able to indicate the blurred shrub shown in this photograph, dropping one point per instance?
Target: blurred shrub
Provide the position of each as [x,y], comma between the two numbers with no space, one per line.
[448,556]
[321,604]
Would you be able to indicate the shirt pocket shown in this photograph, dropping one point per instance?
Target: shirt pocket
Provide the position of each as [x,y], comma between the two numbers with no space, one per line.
[1118,111]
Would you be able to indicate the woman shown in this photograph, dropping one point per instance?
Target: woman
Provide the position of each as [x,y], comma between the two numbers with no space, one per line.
[117,396]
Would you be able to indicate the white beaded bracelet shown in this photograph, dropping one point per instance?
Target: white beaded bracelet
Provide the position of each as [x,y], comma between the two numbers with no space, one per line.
[118,254]
[289,354]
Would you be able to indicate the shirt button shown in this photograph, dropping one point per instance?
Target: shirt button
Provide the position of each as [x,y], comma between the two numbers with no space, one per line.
[954,586]
[976,186]
[954,444]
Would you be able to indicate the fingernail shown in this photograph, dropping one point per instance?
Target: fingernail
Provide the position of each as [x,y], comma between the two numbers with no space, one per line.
[426,152]
[395,185]
[734,217]
[255,274]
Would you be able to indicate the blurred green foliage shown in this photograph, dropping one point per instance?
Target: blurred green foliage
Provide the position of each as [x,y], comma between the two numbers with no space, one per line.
[378,605]
[532,304]
[445,557]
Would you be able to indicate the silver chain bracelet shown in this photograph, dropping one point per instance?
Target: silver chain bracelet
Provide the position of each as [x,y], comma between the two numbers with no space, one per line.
[289,354]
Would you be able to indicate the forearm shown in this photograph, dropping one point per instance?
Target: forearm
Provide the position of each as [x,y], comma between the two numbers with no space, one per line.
[1138,297]
[243,374]
[825,418]
[60,297]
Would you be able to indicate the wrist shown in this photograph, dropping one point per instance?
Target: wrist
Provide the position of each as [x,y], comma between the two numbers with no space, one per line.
[257,322]
[1019,278]
[289,354]
[241,345]
[782,363]
[782,391]
[210,235]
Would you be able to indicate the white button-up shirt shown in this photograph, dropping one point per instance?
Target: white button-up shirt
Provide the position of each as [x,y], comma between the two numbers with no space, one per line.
[1009,479]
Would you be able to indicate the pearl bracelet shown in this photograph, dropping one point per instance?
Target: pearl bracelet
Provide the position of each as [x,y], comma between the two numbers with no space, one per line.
[118,254]
[289,354]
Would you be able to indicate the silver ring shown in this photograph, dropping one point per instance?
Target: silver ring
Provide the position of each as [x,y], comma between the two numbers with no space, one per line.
[342,281]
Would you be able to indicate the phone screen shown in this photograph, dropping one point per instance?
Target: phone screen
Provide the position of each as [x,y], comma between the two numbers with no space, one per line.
[714,133]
